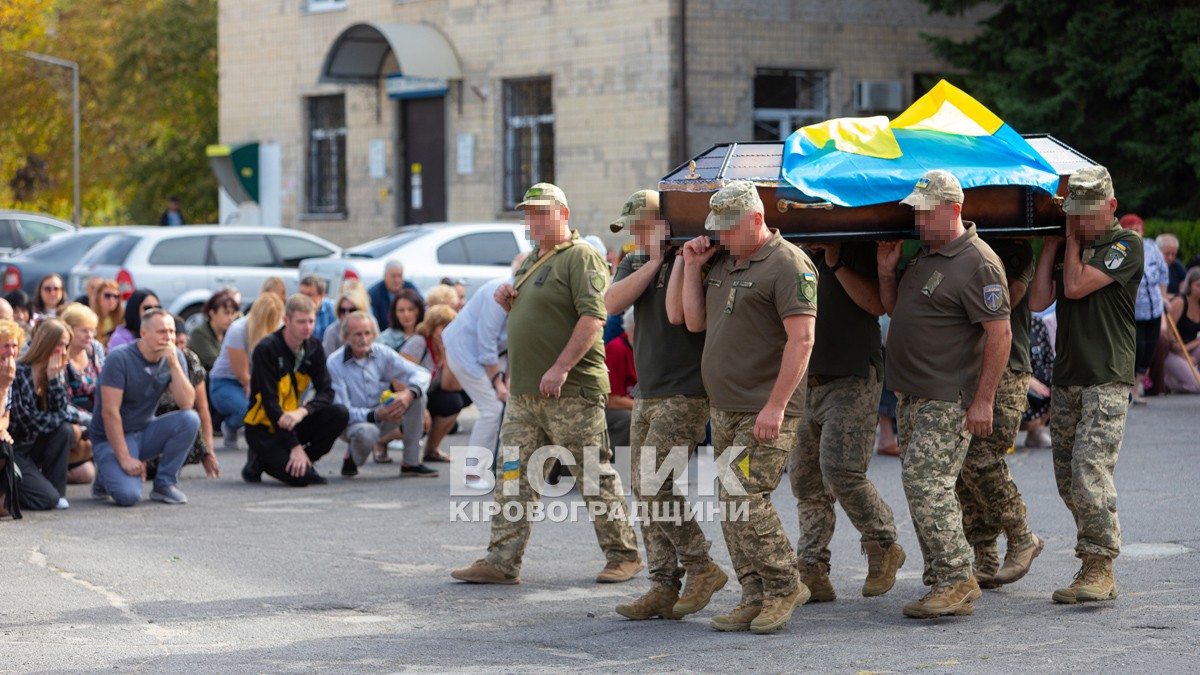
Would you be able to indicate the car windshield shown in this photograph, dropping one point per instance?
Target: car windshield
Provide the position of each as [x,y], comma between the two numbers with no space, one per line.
[378,248]
[55,248]
[111,251]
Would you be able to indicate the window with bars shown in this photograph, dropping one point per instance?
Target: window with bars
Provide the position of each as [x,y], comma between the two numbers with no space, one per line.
[785,100]
[528,137]
[327,154]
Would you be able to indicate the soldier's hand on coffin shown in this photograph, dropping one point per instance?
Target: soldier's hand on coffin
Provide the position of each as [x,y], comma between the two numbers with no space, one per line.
[888,255]
[1052,242]
[698,251]
[831,249]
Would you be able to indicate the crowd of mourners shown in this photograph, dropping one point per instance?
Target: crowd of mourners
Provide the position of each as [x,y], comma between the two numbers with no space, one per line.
[113,391]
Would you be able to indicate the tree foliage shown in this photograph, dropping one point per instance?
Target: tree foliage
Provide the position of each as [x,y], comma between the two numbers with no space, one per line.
[1118,80]
[148,99]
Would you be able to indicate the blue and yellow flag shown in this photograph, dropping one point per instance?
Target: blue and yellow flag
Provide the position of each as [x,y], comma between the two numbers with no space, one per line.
[856,161]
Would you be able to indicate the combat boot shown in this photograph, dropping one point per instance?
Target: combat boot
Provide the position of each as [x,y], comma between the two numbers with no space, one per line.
[987,563]
[882,565]
[698,589]
[777,609]
[739,618]
[1094,582]
[484,572]
[1017,559]
[816,577]
[658,603]
[944,599]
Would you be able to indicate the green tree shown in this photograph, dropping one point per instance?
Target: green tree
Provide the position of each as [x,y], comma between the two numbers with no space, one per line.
[148,94]
[1118,80]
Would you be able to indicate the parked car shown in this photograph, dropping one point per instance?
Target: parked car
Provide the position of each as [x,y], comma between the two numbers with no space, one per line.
[184,265]
[472,252]
[21,229]
[23,269]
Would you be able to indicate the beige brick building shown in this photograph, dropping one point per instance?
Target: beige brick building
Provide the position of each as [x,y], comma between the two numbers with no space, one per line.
[601,96]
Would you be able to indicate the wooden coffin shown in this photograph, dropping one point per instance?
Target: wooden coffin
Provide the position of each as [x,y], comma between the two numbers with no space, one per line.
[1011,210]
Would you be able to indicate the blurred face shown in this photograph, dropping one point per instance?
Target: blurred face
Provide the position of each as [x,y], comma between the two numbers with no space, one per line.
[312,293]
[109,300]
[9,348]
[1169,253]
[82,336]
[546,223]
[360,336]
[742,240]
[221,318]
[148,303]
[406,314]
[462,296]
[393,279]
[52,292]
[939,224]
[181,340]
[344,308]
[1086,228]
[64,344]
[20,314]
[300,325]
[159,331]
[650,234]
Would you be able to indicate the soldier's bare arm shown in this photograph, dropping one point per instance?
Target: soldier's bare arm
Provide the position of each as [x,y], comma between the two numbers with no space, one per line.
[887,258]
[1080,280]
[695,253]
[800,331]
[1043,291]
[621,294]
[995,358]
[1016,291]
[675,294]
[587,329]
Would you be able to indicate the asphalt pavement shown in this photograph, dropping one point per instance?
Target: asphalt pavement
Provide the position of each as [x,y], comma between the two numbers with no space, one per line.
[353,577]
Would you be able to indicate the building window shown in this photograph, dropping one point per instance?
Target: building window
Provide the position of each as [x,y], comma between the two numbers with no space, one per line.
[327,154]
[315,6]
[785,100]
[528,137]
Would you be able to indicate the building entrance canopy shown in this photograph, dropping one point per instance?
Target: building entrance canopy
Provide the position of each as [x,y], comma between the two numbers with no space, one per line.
[358,54]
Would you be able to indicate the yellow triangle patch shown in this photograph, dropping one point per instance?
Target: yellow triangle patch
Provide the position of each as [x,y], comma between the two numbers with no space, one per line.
[744,465]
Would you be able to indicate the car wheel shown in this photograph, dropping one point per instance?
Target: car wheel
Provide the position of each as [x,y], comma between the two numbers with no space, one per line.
[192,317]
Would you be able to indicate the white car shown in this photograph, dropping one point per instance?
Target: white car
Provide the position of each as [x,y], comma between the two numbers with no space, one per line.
[184,265]
[471,252]
[21,229]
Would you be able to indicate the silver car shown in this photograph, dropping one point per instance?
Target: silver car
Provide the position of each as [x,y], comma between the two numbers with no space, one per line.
[184,265]
[21,229]
[470,252]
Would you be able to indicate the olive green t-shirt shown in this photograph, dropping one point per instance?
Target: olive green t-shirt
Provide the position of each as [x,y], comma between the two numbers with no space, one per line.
[1095,341]
[667,357]
[745,306]
[1017,257]
[935,343]
[566,287]
[847,336]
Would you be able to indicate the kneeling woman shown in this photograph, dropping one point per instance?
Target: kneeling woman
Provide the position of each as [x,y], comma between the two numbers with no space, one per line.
[41,418]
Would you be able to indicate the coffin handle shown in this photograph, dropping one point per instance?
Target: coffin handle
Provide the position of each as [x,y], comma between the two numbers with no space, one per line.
[784,204]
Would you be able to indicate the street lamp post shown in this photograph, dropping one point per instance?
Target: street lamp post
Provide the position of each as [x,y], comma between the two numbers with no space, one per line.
[75,111]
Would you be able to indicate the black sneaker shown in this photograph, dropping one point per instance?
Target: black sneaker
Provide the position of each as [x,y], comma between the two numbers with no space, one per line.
[418,471]
[315,478]
[253,471]
[349,468]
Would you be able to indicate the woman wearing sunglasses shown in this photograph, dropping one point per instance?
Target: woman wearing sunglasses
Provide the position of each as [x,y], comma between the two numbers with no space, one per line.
[351,300]
[50,298]
[139,303]
[105,301]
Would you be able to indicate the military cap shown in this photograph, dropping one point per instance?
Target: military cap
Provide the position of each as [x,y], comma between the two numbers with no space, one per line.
[1088,190]
[640,204]
[933,189]
[730,203]
[543,194]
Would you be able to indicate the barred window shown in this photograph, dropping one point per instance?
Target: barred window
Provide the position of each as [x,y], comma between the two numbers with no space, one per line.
[528,137]
[785,100]
[327,154]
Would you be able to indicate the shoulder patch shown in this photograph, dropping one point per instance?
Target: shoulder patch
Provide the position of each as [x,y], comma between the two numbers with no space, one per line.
[599,281]
[806,287]
[1116,255]
[993,297]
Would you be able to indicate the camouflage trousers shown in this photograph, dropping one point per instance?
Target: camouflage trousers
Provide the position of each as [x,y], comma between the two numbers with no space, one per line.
[759,549]
[674,542]
[991,502]
[1086,428]
[934,445]
[574,423]
[829,464]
